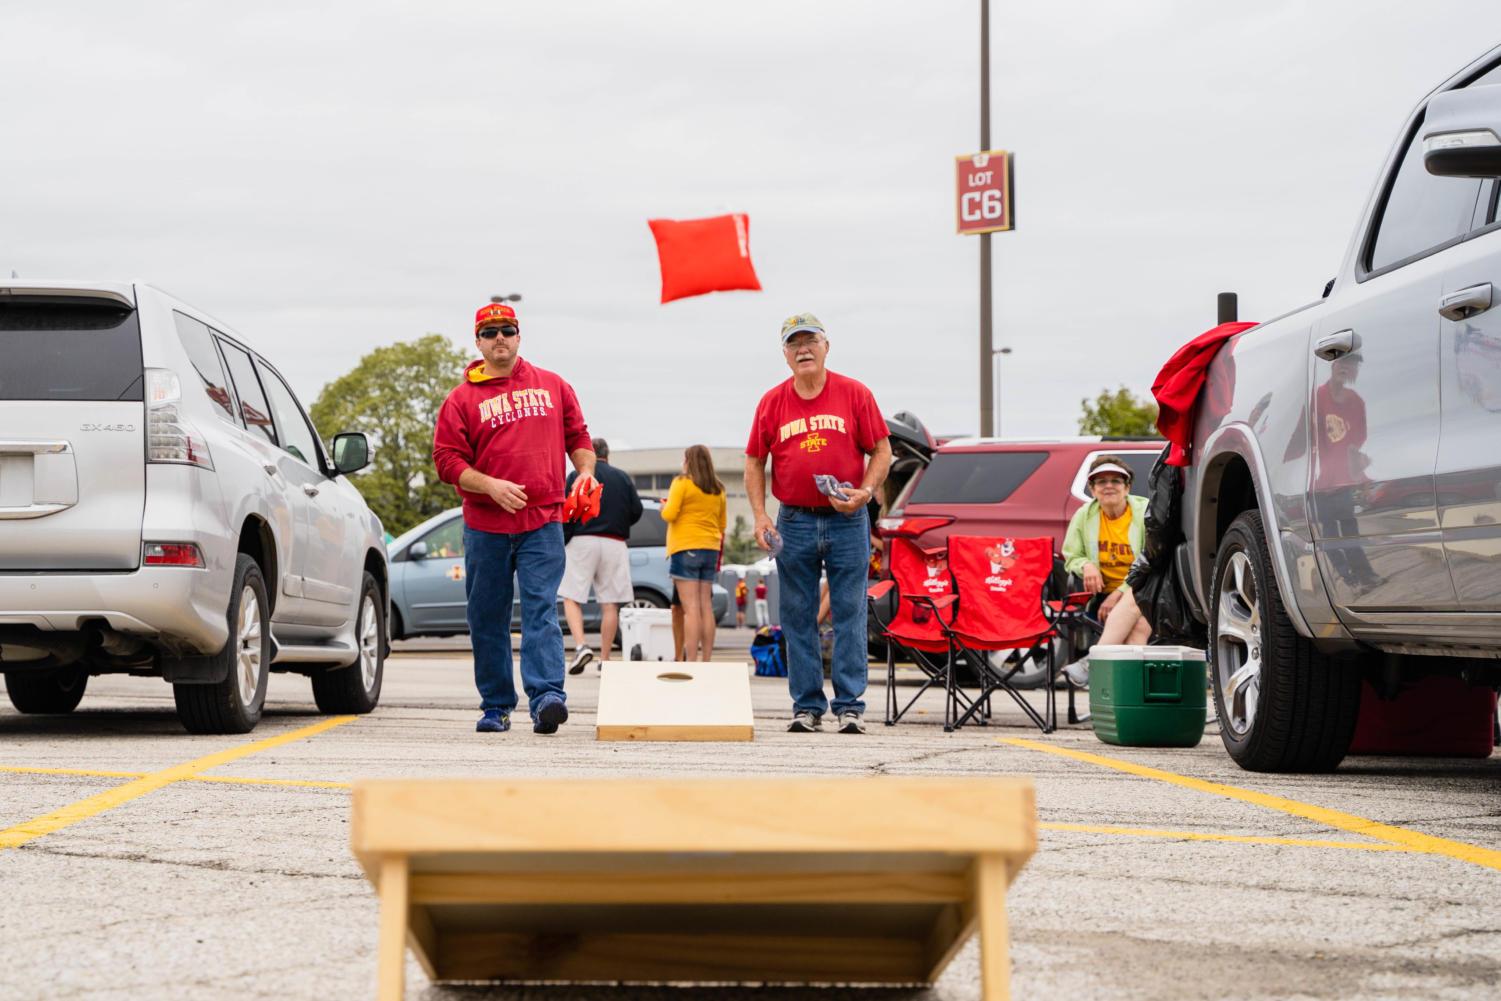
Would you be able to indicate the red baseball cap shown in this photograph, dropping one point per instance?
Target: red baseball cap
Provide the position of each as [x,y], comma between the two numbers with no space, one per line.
[493,314]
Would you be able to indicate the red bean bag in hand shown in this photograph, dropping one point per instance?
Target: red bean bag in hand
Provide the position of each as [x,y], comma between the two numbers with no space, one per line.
[583,500]
[704,255]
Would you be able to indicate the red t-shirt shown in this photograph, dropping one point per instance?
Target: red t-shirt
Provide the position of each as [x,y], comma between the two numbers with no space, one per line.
[519,428]
[1340,423]
[831,433]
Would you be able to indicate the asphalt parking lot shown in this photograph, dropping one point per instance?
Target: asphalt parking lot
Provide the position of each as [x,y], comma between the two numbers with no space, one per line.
[139,862]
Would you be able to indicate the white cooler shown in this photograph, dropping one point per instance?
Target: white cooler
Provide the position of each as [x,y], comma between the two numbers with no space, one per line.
[646,634]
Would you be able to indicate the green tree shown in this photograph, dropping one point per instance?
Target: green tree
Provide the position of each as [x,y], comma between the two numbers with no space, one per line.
[1118,413]
[393,395]
[740,546]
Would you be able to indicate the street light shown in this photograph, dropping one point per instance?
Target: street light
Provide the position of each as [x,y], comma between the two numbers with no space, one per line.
[513,297]
[995,418]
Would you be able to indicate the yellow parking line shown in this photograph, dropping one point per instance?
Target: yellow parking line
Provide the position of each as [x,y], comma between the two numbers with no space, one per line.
[1415,841]
[1238,839]
[17,769]
[298,783]
[47,823]
[309,783]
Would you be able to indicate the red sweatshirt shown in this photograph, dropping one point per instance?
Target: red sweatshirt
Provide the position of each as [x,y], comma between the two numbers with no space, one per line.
[519,428]
[1179,383]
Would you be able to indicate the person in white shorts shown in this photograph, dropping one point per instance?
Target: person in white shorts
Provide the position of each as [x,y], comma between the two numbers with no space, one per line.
[598,556]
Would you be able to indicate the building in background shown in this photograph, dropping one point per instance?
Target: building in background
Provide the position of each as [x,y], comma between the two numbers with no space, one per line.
[654,468]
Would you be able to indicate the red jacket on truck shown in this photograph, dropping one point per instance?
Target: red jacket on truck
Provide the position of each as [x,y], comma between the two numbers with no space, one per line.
[519,428]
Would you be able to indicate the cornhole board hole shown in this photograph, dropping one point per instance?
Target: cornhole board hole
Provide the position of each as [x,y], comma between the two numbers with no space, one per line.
[653,700]
[874,881]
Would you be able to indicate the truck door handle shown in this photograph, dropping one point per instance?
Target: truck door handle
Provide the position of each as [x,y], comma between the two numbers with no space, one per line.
[1332,346]
[1465,303]
[270,469]
[310,490]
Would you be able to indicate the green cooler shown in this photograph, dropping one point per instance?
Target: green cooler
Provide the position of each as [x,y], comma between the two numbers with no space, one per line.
[1147,696]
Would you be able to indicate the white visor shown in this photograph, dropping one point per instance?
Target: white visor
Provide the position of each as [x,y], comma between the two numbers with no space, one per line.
[1110,467]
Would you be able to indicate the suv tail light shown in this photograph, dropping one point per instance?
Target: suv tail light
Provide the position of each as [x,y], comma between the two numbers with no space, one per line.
[171,554]
[169,438]
[913,527]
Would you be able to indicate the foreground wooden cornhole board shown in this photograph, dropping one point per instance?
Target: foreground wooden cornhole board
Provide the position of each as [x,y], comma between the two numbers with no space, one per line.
[660,700]
[873,881]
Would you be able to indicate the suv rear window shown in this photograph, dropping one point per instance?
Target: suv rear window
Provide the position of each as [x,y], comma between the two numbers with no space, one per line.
[974,477]
[69,349]
[651,530]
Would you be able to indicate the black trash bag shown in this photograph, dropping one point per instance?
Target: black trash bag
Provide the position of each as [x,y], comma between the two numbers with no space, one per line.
[1162,596]
[1155,581]
[1164,517]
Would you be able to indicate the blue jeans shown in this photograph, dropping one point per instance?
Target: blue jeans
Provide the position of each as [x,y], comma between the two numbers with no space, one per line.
[535,561]
[694,564]
[839,544]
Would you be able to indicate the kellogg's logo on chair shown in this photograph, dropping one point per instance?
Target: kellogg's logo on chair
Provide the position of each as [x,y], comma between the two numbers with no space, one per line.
[937,581]
[1002,558]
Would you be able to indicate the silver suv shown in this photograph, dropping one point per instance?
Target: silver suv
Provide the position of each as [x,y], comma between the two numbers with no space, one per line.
[1343,509]
[167,508]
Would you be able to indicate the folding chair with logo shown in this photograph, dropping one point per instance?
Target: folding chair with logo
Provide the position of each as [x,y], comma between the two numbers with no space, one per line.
[910,606]
[1000,606]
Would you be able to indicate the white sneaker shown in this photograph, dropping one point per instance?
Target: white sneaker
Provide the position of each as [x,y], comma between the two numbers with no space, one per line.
[581,660]
[1078,672]
[805,722]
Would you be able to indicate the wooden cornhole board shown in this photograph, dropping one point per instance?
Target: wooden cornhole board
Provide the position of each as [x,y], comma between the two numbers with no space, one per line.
[660,700]
[794,881]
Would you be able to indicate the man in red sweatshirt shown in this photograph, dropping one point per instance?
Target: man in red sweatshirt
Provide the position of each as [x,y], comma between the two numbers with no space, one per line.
[501,438]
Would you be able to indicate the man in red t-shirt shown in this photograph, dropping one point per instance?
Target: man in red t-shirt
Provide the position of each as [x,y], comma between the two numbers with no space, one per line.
[818,423]
[501,438]
[1339,477]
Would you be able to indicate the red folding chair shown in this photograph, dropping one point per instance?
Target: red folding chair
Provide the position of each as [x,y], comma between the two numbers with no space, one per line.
[911,607]
[1001,606]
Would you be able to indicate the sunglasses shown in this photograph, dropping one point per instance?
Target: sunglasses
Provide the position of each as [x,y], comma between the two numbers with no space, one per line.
[488,334]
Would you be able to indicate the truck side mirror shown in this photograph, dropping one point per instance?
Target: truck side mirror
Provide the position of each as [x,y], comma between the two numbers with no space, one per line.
[1462,133]
[351,451]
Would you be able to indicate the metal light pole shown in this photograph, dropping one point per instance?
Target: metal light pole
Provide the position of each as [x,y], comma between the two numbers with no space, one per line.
[987,396]
[511,297]
[995,431]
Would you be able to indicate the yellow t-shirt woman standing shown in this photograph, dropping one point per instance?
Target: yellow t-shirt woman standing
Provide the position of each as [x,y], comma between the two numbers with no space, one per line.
[695,516]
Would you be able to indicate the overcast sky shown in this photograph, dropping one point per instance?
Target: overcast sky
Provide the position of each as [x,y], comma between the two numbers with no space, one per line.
[327,178]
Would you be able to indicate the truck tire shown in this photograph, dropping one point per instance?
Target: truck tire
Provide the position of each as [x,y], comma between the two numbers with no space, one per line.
[51,692]
[1283,706]
[355,688]
[234,704]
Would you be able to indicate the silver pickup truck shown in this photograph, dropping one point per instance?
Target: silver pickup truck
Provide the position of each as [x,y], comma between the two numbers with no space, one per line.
[1343,506]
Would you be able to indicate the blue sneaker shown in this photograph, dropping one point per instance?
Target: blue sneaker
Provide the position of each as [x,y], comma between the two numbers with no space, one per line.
[493,721]
[550,714]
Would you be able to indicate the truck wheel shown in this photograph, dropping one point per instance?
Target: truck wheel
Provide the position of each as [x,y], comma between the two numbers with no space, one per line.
[356,688]
[234,704]
[1283,705]
[53,692]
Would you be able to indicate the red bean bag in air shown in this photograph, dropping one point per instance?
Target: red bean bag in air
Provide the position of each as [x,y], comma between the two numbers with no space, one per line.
[704,255]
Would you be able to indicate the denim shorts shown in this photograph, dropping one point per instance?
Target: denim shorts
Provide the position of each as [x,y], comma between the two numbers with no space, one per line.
[694,564]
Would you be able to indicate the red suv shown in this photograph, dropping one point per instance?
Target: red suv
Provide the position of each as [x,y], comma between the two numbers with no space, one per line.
[989,486]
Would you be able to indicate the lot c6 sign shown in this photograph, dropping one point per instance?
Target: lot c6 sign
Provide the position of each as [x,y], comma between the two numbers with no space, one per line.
[985,196]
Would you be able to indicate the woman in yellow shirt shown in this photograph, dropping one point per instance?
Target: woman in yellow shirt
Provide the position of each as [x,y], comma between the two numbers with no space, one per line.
[695,518]
[1103,539]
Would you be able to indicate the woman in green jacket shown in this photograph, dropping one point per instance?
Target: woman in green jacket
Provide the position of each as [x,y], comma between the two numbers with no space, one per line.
[1103,539]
